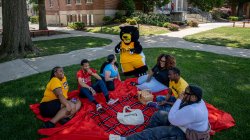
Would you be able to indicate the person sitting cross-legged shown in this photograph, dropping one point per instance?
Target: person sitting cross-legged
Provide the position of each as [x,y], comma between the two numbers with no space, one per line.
[54,103]
[87,89]
[187,120]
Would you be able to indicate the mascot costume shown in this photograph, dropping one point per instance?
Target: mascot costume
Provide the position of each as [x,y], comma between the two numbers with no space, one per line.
[132,58]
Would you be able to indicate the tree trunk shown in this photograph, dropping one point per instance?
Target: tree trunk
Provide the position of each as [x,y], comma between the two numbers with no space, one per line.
[233,8]
[42,15]
[240,9]
[16,39]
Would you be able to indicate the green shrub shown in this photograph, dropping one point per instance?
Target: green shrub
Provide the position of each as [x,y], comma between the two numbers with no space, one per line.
[118,15]
[131,21]
[151,18]
[76,25]
[123,19]
[192,23]
[173,27]
[166,24]
[34,19]
[233,18]
[117,21]
[107,19]
[178,22]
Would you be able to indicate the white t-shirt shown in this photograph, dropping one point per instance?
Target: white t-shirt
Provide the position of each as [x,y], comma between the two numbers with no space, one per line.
[193,116]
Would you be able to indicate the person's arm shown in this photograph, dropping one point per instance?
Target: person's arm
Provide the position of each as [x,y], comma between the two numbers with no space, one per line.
[96,76]
[166,101]
[80,81]
[107,76]
[119,78]
[93,73]
[58,92]
[183,116]
[150,75]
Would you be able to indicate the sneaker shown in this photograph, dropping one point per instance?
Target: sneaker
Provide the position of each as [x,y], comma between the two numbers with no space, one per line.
[152,104]
[114,137]
[133,83]
[48,124]
[112,101]
[64,120]
[98,107]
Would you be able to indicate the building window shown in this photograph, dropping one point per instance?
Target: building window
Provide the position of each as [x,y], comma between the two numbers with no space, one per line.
[68,1]
[50,3]
[89,1]
[78,1]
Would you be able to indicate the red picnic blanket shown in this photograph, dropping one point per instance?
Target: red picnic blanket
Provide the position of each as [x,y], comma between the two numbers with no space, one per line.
[88,124]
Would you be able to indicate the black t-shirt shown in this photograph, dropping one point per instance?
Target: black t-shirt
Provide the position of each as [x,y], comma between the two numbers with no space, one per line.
[161,75]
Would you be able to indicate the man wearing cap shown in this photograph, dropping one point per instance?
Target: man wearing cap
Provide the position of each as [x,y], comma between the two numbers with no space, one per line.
[187,119]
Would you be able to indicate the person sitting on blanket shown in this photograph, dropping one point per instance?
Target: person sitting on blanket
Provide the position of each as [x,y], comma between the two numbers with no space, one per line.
[157,79]
[177,86]
[87,89]
[54,103]
[109,72]
[187,119]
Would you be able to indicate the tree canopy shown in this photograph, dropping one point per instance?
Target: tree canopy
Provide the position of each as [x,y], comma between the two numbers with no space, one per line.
[149,4]
[206,5]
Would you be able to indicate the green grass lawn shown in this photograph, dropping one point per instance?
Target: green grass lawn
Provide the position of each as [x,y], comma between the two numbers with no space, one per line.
[225,80]
[235,37]
[64,45]
[114,29]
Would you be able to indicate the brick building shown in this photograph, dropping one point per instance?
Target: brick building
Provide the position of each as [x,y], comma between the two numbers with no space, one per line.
[91,12]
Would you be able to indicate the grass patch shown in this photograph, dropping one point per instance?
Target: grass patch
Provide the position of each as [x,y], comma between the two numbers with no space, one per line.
[115,30]
[64,45]
[235,37]
[224,79]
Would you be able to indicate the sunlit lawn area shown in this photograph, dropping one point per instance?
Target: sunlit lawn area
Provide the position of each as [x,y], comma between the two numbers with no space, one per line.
[236,37]
[64,45]
[225,80]
[114,29]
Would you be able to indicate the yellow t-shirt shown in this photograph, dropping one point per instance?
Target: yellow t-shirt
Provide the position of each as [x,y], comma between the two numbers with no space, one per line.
[179,87]
[54,83]
[126,56]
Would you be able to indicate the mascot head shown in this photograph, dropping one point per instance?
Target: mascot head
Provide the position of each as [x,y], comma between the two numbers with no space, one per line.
[129,34]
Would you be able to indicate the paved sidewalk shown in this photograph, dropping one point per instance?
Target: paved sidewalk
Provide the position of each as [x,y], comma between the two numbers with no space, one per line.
[24,67]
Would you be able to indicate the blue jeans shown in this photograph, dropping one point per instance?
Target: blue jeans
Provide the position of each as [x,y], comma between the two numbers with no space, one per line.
[165,107]
[153,84]
[99,86]
[159,128]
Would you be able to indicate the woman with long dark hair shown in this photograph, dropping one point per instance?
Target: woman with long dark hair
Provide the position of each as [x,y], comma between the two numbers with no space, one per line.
[54,103]
[157,79]
[109,72]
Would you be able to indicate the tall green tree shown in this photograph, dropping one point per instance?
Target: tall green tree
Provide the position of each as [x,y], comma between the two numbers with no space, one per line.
[161,3]
[16,39]
[41,13]
[237,4]
[128,6]
[240,4]
[148,5]
[206,5]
